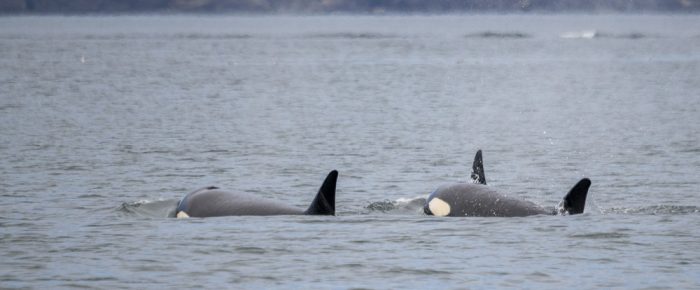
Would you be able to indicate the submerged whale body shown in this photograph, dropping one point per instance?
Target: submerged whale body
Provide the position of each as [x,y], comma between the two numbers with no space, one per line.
[478,199]
[212,201]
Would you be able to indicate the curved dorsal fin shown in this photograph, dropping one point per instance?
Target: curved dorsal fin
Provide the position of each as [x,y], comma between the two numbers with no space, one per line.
[575,200]
[324,203]
[478,169]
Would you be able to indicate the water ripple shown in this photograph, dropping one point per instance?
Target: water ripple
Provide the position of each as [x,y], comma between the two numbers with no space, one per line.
[655,210]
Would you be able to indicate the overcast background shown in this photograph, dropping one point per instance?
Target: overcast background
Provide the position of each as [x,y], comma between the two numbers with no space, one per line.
[344,6]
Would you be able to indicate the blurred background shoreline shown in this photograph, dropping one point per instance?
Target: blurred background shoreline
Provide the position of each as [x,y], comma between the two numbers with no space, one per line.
[14,7]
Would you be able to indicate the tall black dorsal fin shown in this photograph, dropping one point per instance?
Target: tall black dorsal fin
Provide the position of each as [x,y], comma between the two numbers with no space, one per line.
[324,203]
[478,169]
[575,200]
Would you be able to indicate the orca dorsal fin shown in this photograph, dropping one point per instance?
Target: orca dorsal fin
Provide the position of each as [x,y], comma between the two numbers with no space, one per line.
[575,201]
[478,169]
[324,203]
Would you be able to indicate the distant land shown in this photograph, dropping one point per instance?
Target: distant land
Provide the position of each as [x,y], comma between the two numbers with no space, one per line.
[342,6]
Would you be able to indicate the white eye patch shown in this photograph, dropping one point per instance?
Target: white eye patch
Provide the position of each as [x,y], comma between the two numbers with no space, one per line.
[182,215]
[439,207]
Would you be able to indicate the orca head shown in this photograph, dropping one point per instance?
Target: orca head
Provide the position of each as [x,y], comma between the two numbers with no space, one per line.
[184,205]
[440,206]
[181,209]
[436,206]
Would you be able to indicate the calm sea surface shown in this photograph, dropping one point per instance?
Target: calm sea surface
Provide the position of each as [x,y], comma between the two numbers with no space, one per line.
[106,122]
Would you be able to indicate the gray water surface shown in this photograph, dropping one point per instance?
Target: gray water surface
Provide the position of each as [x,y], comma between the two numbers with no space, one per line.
[106,122]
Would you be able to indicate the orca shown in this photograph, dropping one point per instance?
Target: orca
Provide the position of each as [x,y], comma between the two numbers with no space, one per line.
[213,202]
[478,199]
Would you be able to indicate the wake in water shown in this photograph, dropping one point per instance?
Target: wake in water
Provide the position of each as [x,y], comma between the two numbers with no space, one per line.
[590,34]
[401,205]
[654,210]
[351,35]
[150,209]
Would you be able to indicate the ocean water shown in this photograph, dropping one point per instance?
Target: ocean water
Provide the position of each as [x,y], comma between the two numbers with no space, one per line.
[106,122]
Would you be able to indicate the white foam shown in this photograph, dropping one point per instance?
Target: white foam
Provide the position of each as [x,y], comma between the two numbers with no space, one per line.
[586,34]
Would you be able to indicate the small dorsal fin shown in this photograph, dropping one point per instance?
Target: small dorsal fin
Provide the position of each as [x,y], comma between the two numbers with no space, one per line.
[324,203]
[478,169]
[575,201]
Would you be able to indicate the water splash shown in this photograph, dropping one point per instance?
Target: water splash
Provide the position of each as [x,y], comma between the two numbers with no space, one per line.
[590,34]
[401,205]
[149,209]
